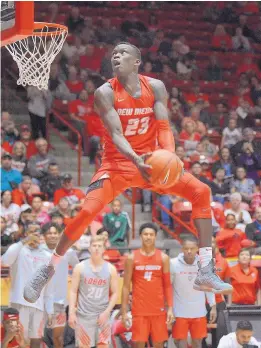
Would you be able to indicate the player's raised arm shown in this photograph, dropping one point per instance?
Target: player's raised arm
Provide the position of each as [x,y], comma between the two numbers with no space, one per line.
[167,287]
[104,104]
[165,135]
[127,279]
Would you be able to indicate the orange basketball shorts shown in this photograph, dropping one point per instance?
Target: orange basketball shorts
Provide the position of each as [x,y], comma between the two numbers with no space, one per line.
[196,326]
[114,177]
[153,326]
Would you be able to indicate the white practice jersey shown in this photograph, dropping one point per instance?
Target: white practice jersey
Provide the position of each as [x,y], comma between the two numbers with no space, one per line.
[23,262]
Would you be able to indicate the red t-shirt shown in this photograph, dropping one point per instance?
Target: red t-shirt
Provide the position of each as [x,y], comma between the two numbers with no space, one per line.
[79,108]
[248,67]
[92,63]
[13,343]
[31,148]
[74,195]
[219,41]
[185,136]
[230,240]
[193,98]
[75,87]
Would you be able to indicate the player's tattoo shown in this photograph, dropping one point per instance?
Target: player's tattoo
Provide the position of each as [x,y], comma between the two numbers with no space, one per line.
[95,185]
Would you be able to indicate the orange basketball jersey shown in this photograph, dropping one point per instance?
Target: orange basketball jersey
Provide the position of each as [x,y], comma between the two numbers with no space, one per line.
[137,119]
[147,284]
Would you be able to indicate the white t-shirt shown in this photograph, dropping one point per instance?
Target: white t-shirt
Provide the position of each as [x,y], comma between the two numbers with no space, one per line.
[230,341]
[231,137]
[12,213]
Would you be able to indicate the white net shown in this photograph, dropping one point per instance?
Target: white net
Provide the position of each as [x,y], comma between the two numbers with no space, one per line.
[35,54]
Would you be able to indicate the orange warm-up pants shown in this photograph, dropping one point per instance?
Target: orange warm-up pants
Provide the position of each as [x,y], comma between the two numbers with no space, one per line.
[113,178]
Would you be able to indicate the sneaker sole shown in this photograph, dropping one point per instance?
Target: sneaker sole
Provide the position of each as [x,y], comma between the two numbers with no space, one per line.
[209,289]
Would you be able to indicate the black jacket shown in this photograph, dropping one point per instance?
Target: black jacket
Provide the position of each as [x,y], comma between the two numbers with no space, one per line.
[253,233]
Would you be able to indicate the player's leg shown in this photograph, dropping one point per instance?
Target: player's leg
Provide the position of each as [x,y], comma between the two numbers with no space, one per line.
[58,325]
[158,330]
[104,335]
[199,195]
[198,331]
[36,327]
[85,333]
[140,331]
[180,332]
[99,193]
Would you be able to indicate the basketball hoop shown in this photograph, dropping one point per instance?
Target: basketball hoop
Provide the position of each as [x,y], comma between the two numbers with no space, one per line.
[35,53]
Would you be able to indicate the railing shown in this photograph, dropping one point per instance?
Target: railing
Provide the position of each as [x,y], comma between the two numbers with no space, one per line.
[156,204]
[50,126]
[132,200]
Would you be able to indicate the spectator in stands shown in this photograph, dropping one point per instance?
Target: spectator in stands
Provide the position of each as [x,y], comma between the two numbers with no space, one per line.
[184,68]
[253,230]
[73,83]
[179,45]
[106,66]
[23,258]
[39,102]
[180,152]
[229,238]
[248,137]
[57,86]
[189,137]
[231,134]
[53,10]
[214,70]
[245,281]
[51,233]
[245,186]
[209,149]
[38,164]
[64,208]
[11,133]
[10,178]
[57,218]
[250,160]
[240,43]
[117,223]
[248,67]
[242,216]
[11,330]
[73,195]
[225,162]
[223,271]
[255,89]
[52,181]
[256,199]
[242,23]
[26,139]
[206,169]
[109,254]
[75,21]
[41,216]
[147,70]
[73,48]
[25,220]
[5,146]
[218,120]
[6,239]
[220,187]
[106,32]
[19,161]
[90,60]
[25,191]
[221,41]
[241,338]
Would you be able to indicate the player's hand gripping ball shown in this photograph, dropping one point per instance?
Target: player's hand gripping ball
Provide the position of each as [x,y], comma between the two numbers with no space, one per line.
[166,170]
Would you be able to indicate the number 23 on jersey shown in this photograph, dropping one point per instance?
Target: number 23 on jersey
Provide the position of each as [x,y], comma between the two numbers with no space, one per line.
[137,126]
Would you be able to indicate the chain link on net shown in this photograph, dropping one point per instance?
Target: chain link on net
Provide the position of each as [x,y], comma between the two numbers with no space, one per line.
[35,54]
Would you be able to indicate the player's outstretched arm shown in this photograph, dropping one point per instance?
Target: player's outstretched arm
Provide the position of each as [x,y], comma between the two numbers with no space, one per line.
[104,103]
[167,287]
[165,135]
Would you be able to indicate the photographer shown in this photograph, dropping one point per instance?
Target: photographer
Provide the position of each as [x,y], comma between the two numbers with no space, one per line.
[11,331]
[242,338]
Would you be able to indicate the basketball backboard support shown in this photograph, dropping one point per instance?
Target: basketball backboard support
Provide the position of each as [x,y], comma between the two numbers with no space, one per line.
[17,21]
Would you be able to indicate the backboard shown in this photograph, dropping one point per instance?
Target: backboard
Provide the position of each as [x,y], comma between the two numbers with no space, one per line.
[17,20]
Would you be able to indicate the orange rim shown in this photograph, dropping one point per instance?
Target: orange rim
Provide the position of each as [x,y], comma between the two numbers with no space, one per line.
[55,29]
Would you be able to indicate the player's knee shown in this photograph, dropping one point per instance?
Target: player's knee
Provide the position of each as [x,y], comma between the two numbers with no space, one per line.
[201,193]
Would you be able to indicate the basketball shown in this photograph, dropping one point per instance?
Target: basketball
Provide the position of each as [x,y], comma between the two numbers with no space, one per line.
[166,168]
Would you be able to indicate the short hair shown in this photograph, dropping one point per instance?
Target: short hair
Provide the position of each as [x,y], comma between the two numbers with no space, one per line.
[244,325]
[190,238]
[196,162]
[117,200]
[96,238]
[236,195]
[101,230]
[230,214]
[148,225]
[52,164]
[243,250]
[137,51]
[26,177]
[46,227]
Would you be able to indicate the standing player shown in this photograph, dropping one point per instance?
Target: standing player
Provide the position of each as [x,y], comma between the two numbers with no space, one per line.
[148,269]
[94,293]
[134,111]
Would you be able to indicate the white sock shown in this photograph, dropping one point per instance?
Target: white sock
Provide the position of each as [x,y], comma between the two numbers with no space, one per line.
[55,259]
[205,256]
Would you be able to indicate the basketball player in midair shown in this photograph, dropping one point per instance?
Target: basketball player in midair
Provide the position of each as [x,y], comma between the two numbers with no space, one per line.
[94,293]
[148,270]
[134,111]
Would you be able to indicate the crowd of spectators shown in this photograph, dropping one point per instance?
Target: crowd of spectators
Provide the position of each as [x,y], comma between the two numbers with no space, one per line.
[215,112]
